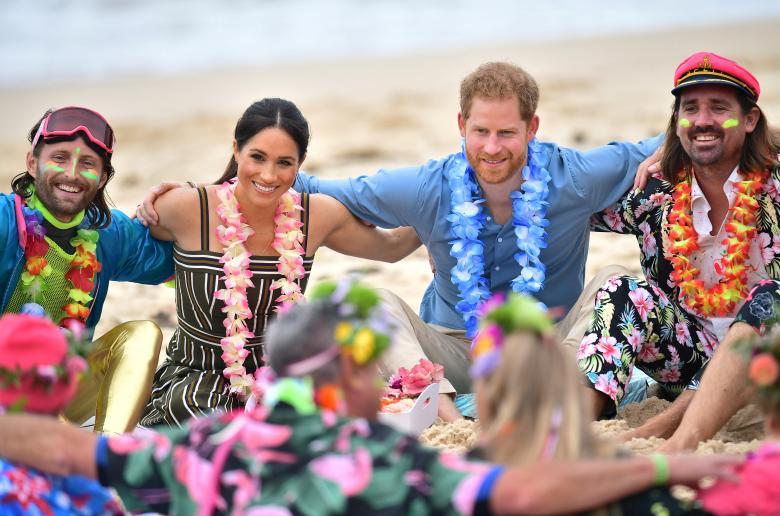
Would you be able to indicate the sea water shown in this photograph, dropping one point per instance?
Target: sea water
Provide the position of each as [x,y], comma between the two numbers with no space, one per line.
[52,40]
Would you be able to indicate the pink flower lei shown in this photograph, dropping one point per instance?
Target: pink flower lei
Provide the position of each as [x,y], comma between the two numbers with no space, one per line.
[232,234]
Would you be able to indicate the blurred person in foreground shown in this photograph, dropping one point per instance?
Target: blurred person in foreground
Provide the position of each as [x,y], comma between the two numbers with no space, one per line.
[525,419]
[312,444]
[39,373]
[61,246]
[758,489]
[710,251]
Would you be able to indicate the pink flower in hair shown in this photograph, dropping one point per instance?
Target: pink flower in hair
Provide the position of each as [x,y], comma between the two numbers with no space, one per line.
[764,370]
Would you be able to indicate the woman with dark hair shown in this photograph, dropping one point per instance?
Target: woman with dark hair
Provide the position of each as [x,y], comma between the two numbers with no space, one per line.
[250,254]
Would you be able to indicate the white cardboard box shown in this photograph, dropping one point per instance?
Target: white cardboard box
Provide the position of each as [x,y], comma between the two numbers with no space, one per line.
[421,416]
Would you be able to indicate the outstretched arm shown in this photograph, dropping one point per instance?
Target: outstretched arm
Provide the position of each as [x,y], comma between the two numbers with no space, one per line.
[47,444]
[335,227]
[574,486]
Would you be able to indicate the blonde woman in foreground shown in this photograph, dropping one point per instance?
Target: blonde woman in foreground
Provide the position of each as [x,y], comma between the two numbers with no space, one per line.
[530,405]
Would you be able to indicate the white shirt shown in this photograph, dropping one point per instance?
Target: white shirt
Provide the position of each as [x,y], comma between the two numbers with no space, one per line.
[711,249]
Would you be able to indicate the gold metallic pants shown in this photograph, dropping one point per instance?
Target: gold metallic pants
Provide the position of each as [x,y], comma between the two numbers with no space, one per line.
[117,385]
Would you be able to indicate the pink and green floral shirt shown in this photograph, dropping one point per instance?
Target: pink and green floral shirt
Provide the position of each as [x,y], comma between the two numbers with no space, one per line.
[280,462]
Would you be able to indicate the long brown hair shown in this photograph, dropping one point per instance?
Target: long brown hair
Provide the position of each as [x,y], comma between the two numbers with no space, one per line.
[759,152]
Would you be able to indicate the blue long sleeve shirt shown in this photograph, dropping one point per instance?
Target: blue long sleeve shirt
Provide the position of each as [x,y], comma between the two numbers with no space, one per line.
[582,183]
[126,250]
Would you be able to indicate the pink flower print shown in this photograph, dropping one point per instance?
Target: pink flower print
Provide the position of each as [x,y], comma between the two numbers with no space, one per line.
[682,334]
[658,199]
[255,434]
[674,357]
[465,495]
[613,220]
[358,427]
[643,302]
[708,341]
[351,472]
[601,295]
[635,339]
[456,462]
[418,479]
[612,283]
[607,384]
[773,189]
[648,240]
[196,474]
[609,349]
[663,301]
[587,347]
[140,439]
[246,487]
[670,374]
[769,247]
[648,353]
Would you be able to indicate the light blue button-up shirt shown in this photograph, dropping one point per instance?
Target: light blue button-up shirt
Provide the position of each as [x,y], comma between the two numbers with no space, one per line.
[582,183]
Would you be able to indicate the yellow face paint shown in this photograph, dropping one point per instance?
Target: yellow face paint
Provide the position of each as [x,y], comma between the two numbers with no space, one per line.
[50,166]
[684,122]
[731,122]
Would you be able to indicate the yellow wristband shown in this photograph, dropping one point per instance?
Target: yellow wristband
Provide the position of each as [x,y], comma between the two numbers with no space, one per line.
[661,463]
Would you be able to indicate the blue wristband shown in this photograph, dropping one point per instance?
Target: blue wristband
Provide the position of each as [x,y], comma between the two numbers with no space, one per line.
[488,482]
[101,451]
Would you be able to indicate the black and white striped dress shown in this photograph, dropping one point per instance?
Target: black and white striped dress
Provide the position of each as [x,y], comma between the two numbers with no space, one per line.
[190,382]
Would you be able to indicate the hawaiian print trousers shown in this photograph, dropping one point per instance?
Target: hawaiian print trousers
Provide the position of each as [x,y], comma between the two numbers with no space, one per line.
[635,324]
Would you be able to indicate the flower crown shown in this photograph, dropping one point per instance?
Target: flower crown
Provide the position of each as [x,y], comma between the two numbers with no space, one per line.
[45,386]
[501,316]
[365,331]
[764,365]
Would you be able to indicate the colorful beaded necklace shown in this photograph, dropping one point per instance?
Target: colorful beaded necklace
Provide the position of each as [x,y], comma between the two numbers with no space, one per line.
[720,299]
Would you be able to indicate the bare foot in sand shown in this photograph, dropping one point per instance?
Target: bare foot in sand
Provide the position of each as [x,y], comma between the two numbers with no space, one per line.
[659,426]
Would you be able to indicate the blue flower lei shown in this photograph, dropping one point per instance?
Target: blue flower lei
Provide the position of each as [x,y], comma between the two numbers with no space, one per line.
[529,208]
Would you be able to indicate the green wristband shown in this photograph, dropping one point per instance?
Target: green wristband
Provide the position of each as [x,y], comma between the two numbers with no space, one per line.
[661,463]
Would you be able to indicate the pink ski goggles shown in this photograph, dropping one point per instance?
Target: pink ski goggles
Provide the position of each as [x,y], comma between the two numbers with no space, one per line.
[69,120]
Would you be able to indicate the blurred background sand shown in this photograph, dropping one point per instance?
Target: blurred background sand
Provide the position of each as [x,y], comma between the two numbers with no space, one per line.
[374,109]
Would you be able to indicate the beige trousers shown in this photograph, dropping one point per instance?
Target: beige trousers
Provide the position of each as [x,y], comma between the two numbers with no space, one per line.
[117,384]
[416,339]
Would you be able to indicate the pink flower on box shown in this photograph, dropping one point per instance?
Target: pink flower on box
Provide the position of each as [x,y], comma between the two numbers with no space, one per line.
[421,376]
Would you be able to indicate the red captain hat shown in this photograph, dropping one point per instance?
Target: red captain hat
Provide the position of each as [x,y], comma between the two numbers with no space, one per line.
[707,68]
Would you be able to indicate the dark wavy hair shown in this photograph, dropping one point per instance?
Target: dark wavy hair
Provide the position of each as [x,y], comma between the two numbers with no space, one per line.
[759,151]
[98,214]
[269,112]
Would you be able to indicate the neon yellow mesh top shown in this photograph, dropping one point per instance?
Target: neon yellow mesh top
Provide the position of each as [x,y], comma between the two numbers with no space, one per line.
[55,293]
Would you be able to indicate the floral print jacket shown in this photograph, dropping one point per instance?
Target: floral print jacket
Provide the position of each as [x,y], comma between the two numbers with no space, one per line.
[283,463]
[30,492]
[643,213]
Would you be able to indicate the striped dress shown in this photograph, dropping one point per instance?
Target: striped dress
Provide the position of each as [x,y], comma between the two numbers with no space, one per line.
[190,382]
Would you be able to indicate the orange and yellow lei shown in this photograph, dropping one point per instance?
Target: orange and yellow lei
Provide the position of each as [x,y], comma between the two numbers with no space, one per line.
[720,299]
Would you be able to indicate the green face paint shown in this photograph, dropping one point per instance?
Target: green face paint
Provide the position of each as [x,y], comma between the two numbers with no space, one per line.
[90,174]
[75,161]
[731,122]
[684,122]
[50,166]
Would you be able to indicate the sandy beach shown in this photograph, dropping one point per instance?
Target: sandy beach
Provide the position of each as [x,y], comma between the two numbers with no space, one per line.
[369,114]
